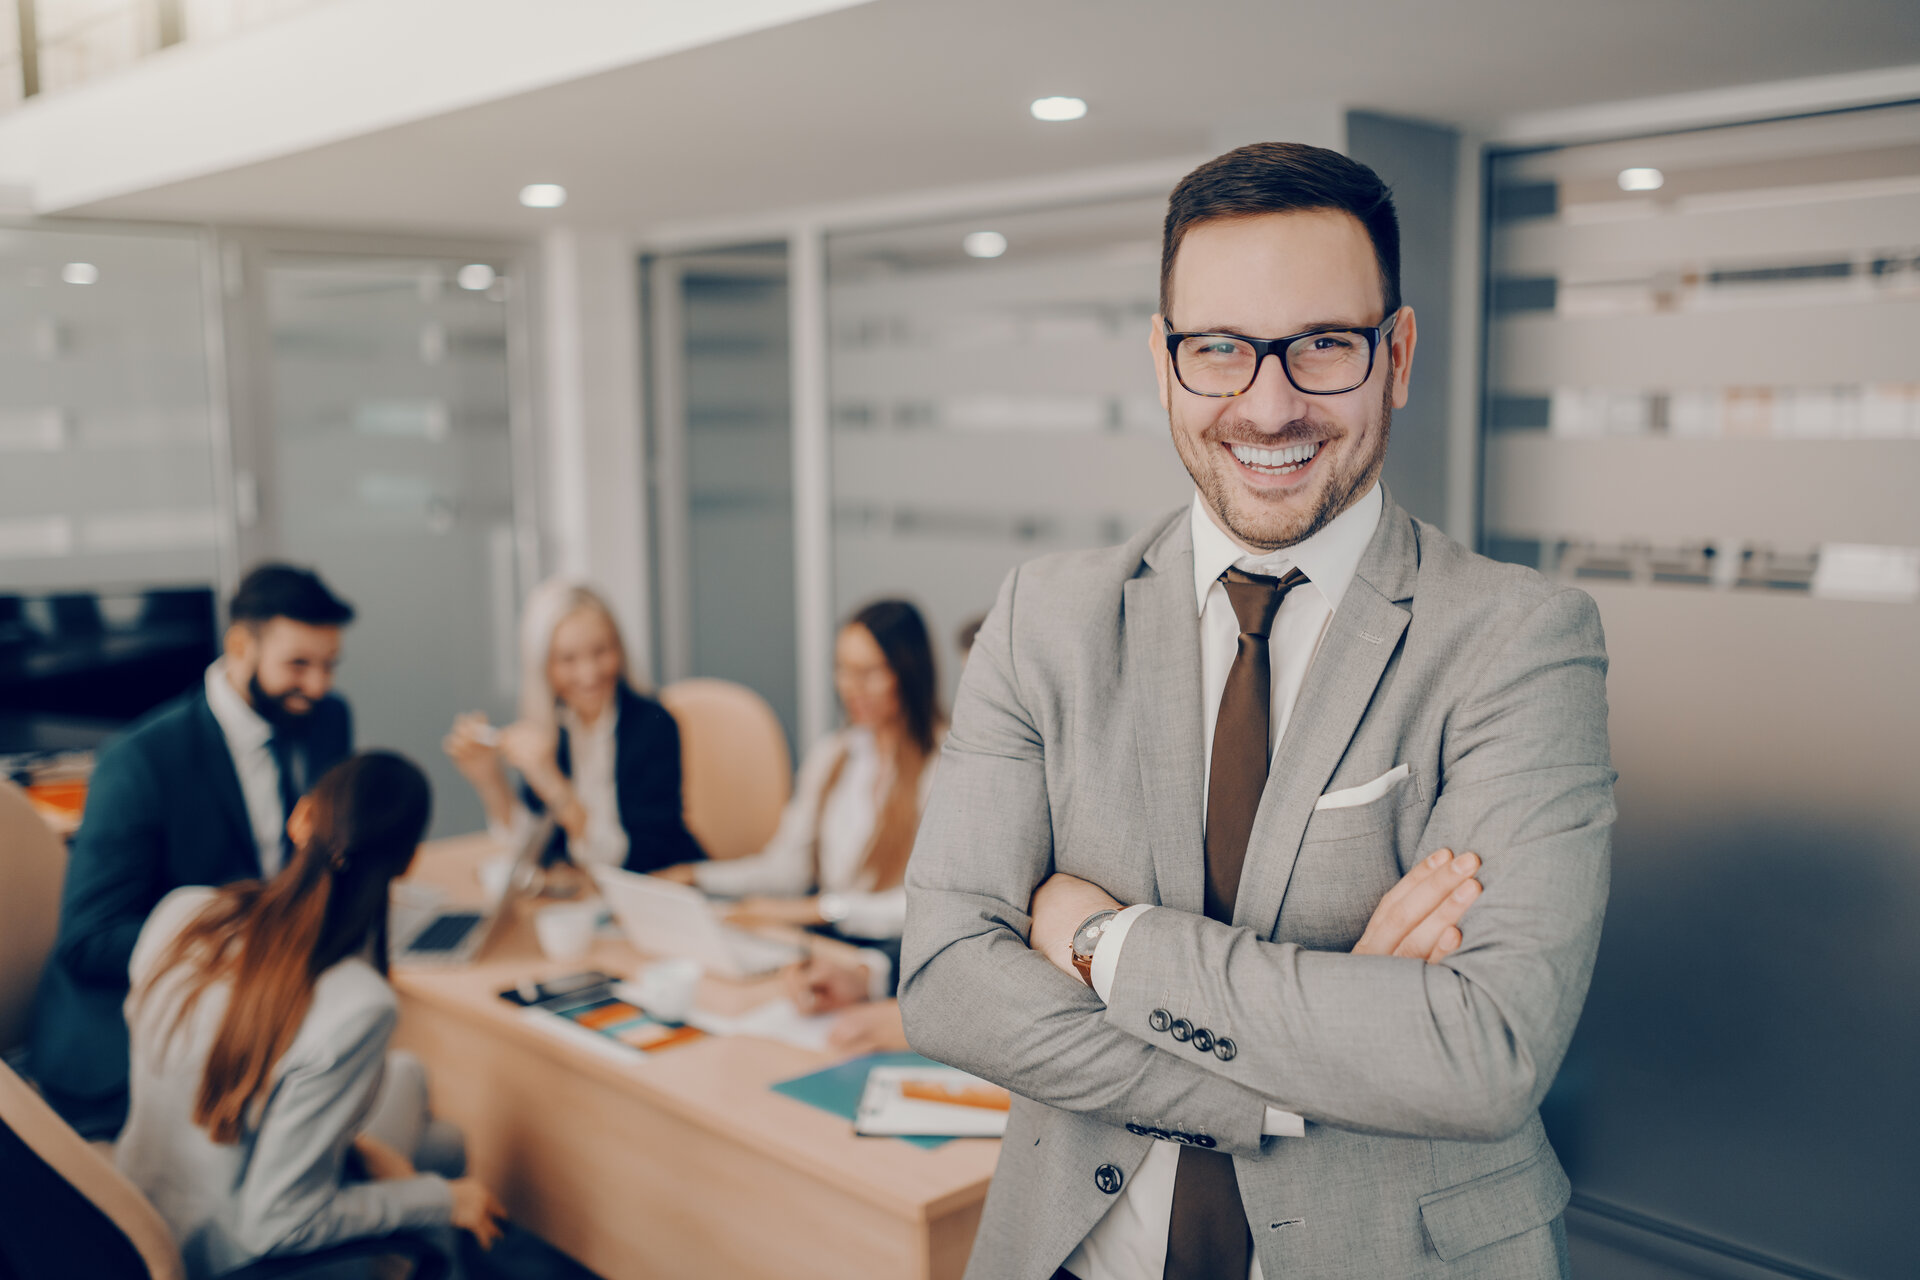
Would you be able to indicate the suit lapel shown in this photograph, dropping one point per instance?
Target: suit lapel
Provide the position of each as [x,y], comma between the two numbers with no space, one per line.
[223,776]
[1361,639]
[1163,666]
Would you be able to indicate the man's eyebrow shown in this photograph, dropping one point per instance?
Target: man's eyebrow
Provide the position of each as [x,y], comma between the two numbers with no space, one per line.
[1309,327]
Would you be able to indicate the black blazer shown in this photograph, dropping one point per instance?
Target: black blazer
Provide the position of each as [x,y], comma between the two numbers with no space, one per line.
[164,809]
[646,779]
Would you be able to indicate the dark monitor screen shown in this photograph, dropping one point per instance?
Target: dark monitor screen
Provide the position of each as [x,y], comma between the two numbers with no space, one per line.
[75,660]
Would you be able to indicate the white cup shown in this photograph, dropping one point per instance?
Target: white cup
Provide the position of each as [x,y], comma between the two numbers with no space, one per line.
[566,932]
[666,988]
[495,874]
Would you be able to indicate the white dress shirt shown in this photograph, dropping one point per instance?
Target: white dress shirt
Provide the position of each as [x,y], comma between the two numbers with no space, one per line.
[844,818]
[1130,1242]
[591,756]
[248,733]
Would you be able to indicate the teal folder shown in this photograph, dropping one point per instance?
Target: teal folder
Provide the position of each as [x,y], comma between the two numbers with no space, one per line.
[838,1088]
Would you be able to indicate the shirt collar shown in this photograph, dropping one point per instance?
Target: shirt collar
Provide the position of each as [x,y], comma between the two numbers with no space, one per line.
[244,727]
[603,727]
[1329,558]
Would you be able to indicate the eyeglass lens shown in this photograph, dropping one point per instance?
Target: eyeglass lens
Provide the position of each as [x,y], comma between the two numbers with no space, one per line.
[1219,365]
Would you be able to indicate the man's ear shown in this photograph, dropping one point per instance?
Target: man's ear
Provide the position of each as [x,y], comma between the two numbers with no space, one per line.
[1401,342]
[241,645]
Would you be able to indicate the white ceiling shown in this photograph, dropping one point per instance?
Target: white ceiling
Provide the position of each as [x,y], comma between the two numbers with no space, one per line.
[902,95]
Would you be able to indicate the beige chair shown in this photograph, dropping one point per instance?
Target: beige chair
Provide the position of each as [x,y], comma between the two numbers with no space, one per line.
[736,772]
[89,1220]
[102,1224]
[33,862]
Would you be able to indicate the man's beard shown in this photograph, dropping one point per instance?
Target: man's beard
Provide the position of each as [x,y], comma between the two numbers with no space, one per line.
[274,710]
[1339,494]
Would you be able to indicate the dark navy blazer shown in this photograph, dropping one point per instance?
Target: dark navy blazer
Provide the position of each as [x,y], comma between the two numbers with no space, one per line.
[646,780]
[164,809]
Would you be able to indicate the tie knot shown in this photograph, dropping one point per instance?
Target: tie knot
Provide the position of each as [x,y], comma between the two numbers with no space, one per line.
[1256,598]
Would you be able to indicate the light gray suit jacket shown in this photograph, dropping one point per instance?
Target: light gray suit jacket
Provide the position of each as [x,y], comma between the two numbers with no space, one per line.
[1076,747]
[281,1189]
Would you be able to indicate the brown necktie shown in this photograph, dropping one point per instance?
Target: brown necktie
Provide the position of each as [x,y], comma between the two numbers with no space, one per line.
[1208,1238]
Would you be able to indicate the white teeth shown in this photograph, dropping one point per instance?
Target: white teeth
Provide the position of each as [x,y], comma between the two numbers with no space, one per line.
[1286,459]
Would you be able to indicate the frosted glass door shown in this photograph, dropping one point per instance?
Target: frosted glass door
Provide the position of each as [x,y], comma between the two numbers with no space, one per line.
[392,473]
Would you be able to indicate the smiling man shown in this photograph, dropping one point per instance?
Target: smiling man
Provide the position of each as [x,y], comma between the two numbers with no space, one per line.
[196,793]
[1268,852]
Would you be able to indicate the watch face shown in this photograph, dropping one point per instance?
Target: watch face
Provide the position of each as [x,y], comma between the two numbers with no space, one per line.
[1089,936]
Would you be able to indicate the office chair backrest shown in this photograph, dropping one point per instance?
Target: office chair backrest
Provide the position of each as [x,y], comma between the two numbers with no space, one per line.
[88,1220]
[736,772]
[33,862]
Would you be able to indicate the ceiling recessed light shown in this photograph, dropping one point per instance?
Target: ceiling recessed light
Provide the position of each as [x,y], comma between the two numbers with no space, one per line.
[1058,108]
[474,277]
[1641,179]
[543,195]
[984,244]
[80,273]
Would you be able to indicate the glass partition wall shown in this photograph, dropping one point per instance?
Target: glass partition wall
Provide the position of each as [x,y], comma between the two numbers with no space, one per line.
[113,531]
[993,399]
[391,471]
[1703,407]
[721,469]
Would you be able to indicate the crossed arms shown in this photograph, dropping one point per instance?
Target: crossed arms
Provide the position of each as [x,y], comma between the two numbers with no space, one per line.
[1461,1048]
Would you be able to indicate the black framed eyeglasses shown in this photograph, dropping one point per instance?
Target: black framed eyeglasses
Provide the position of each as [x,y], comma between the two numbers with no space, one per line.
[1319,362]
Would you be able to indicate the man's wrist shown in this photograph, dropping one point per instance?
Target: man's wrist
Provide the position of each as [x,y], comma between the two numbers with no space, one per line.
[1081,946]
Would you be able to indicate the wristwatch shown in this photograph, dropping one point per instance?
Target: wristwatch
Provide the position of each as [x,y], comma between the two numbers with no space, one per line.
[1086,938]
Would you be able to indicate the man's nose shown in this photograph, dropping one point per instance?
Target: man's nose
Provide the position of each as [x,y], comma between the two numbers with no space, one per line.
[1272,401]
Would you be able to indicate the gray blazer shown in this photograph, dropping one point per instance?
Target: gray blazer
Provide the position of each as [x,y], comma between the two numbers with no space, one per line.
[1076,748]
[281,1188]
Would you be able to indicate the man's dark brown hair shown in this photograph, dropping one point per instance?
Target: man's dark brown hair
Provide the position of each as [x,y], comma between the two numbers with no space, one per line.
[1283,177]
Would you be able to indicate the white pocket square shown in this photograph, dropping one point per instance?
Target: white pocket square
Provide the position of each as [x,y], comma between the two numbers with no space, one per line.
[1366,792]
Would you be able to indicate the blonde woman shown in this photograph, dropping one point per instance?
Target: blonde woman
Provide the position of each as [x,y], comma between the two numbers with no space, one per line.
[589,748]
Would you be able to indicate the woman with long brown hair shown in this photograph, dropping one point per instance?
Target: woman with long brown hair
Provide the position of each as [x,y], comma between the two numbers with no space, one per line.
[840,853]
[259,1020]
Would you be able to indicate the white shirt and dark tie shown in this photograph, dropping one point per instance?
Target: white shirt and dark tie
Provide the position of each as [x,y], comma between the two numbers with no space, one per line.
[1130,1242]
[250,742]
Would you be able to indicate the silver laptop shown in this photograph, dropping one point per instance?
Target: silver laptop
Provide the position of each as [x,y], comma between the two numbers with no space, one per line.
[667,919]
[423,931]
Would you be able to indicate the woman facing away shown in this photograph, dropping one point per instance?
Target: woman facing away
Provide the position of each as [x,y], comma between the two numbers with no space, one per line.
[839,856]
[259,1018]
[603,758]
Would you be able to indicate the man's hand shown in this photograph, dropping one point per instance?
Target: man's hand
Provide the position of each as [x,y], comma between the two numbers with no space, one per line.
[755,912]
[1420,916]
[1060,906]
[821,986]
[869,1028]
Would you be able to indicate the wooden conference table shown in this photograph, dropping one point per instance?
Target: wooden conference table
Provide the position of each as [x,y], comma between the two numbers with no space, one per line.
[687,1163]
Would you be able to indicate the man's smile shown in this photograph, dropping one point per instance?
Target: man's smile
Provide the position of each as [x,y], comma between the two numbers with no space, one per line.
[1262,467]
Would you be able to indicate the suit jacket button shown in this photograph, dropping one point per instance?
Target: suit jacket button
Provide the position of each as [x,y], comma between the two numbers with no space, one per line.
[1225,1049]
[1204,1140]
[1139,1129]
[1181,1030]
[1108,1179]
[1159,1019]
[1203,1040]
